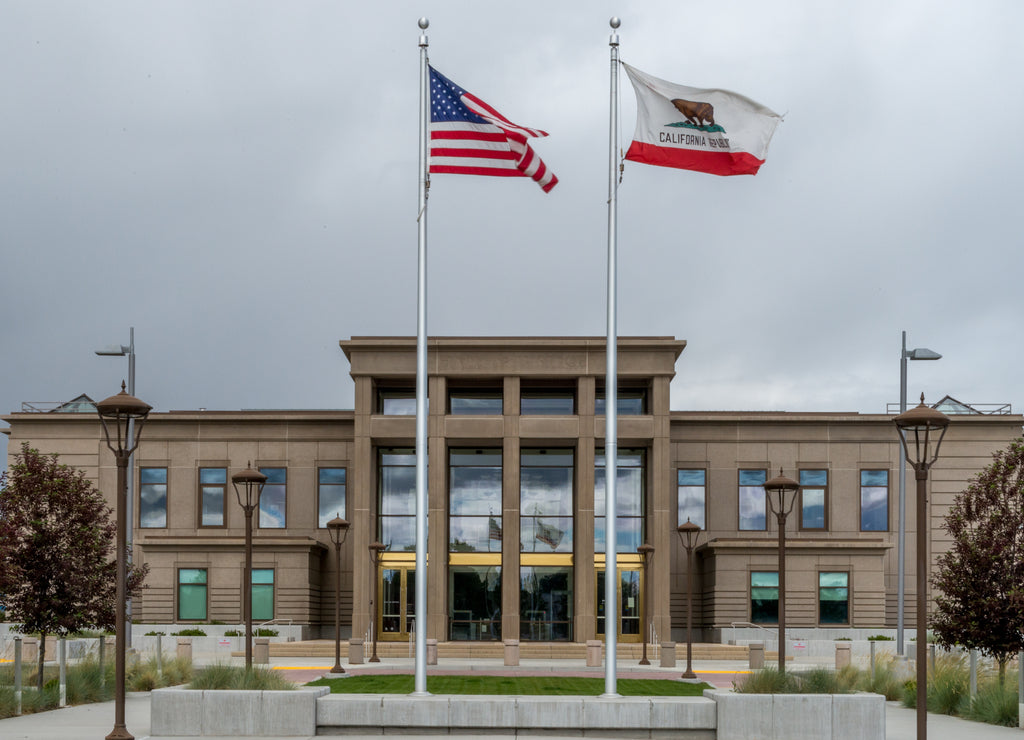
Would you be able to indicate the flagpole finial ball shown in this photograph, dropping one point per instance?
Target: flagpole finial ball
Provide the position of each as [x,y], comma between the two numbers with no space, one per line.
[614,22]
[424,23]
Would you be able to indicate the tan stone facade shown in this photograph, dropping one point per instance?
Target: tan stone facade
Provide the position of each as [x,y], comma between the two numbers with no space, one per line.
[506,377]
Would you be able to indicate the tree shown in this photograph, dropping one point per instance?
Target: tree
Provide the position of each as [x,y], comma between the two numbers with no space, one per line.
[57,550]
[981,579]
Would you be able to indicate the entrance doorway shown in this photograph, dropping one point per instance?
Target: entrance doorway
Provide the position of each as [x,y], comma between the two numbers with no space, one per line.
[629,600]
[397,602]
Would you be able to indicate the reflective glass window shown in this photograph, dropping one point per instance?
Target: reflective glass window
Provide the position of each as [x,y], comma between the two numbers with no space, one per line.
[273,500]
[874,500]
[628,401]
[397,499]
[262,594]
[752,502]
[330,495]
[192,593]
[213,483]
[545,603]
[813,499]
[629,500]
[397,402]
[474,500]
[834,598]
[153,497]
[545,500]
[547,402]
[764,597]
[474,403]
[474,593]
[691,492]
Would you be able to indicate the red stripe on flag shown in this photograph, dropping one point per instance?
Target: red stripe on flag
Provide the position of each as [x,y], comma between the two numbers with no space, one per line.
[713,163]
[468,134]
[467,170]
[472,153]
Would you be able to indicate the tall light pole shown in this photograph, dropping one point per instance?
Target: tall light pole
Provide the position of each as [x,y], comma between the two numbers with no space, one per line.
[645,551]
[921,353]
[920,429]
[376,548]
[248,487]
[779,487]
[338,528]
[122,350]
[688,535]
[121,411]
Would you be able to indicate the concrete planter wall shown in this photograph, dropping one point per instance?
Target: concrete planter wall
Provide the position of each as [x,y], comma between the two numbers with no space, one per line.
[184,713]
[799,716]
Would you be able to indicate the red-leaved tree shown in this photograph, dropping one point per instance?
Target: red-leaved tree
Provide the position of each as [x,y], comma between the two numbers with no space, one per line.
[57,550]
[980,581]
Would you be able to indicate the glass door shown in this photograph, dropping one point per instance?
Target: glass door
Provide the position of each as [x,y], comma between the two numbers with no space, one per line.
[397,603]
[629,600]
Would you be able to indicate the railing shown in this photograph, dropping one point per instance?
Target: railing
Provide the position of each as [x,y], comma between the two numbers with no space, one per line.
[774,633]
[987,409]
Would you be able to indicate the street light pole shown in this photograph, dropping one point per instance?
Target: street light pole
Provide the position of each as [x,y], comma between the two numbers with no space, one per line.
[248,487]
[688,535]
[921,353]
[376,548]
[338,528]
[917,431]
[122,410]
[781,485]
[645,551]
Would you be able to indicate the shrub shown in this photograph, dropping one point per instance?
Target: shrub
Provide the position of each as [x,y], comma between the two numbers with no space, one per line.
[881,638]
[767,681]
[995,704]
[155,634]
[190,632]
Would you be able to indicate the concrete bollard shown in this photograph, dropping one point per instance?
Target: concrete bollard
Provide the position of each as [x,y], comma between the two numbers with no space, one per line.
[974,672]
[842,655]
[63,667]
[668,655]
[756,655]
[431,651]
[511,652]
[184,649]
[1020,690]
[355,651]
[261,651]
[30,650]
[593,653]
[17,675]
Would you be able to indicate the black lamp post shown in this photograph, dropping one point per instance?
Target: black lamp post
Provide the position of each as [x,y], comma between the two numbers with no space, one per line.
[376,548]
[688,536]
[646,551]
[920,429]
[338,528]
[778,488]
[124,412]
[248,487]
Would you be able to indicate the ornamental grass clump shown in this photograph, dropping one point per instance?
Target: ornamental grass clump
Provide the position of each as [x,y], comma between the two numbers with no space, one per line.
[768,681]
[885,680]
[220,677]
[995,703]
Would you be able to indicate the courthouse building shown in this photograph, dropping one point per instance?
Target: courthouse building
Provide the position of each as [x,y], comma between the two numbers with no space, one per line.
[516,499]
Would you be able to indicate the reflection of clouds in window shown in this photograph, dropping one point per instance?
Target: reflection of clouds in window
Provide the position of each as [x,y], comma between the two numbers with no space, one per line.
[272,506]
[813,516]
[153,497]
[752,511]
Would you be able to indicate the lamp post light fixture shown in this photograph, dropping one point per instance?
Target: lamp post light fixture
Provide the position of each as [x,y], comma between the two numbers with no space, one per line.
[127,414]
[646,551]
[921,431]
[920,353]
[689,533]
[376,548]
[338,528]
[248,487]
[779,487]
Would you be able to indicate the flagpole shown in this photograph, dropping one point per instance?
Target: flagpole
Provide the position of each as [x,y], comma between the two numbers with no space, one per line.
[421,378]
[611,435]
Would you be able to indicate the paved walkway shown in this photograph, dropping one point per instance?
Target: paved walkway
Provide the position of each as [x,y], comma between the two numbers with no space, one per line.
[93,721]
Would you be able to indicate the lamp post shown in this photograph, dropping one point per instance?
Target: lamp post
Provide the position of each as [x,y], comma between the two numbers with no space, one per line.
[376,548]
[688,535]
[122,410]
[338,528]
[921,353]
[646,551]
[780,486]
[128,350]
[248,487]
[920,429]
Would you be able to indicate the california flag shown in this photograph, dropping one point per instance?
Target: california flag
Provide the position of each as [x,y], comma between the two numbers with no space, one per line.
[713,131]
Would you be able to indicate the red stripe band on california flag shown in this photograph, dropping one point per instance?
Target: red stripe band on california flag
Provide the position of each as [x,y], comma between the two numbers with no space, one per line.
[713,163]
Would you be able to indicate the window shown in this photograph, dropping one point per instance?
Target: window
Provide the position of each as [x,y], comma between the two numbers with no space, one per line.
[752,502]
[396,401]
[474,501]
[396,505]
[153,497]
[874,501]
[213,484]
[330,495]
[274,498]
[475,402]
[192,593]
[813,499]
[547,401]
[474,593]
[834,598]
[629,401]
[545,500]
[691,491]
[545,603]
[764,597]
[629,501]
[263,594]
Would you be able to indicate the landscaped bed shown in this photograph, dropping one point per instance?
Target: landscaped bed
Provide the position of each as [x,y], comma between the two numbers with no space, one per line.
[509,686]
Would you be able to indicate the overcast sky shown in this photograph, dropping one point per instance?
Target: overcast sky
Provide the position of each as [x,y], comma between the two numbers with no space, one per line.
[237,180]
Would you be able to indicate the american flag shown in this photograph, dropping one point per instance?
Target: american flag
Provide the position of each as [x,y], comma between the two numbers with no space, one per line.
[469,137]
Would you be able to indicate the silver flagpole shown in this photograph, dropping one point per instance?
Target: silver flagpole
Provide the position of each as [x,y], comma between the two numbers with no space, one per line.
[611,404]
[421,380]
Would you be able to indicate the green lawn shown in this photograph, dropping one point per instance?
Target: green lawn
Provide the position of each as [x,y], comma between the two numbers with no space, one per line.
[521,685]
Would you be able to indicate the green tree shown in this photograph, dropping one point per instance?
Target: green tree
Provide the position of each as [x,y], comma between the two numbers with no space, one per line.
[981,578]
[57,550]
